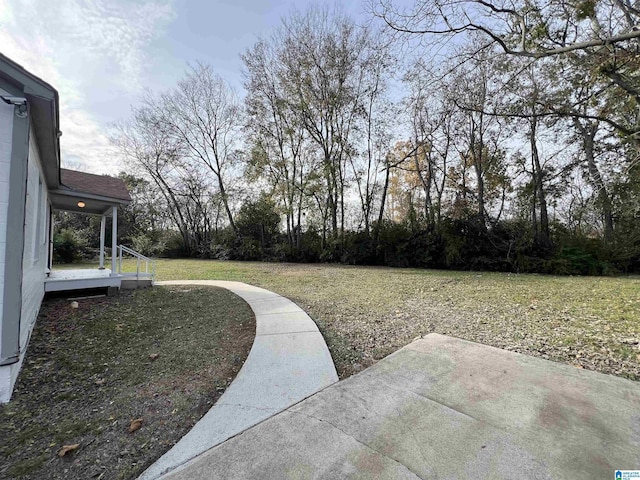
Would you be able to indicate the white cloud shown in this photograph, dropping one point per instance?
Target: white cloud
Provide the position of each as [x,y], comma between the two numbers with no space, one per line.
[84,48]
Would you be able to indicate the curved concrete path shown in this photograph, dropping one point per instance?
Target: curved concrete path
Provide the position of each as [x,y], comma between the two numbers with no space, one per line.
[288,362]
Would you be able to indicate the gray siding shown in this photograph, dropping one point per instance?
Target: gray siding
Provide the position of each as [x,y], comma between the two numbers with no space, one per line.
[34,259]
[6,132]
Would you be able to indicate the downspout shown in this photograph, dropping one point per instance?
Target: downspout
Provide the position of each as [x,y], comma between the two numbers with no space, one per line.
[12,295]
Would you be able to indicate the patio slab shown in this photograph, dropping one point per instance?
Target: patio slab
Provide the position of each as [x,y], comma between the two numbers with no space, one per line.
[288,362]
[444,408]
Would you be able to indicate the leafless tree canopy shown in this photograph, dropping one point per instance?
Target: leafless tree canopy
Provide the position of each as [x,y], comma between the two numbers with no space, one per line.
[448,133]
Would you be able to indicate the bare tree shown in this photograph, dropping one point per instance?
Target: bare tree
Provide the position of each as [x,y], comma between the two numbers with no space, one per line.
[327,57]
[431,119]
[147,148]
[374,133]
[533,29]
[598,37]
[277,135]
[204,115]
[478,136]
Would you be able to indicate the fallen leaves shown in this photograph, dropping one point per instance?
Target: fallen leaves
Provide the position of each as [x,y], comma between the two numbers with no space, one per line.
[68,448]
[135,425]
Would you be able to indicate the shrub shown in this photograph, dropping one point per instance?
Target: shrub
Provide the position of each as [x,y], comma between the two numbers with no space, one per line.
[68,246]
[147,246]
[258,221]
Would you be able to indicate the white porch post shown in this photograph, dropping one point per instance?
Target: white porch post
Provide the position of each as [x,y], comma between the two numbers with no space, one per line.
[114,239]
[103,225]
[50,242]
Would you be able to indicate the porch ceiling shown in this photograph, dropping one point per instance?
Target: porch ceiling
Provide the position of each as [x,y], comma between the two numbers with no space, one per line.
[95,205]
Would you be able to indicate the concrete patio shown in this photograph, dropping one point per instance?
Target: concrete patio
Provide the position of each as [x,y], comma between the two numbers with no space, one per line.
[443,408]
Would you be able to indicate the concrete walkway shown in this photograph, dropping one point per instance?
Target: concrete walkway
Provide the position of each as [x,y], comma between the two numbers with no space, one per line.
[288,362]
[444,408]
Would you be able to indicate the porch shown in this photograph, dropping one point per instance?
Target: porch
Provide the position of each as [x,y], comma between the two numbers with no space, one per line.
[133,270]
[77,279]
[102,196]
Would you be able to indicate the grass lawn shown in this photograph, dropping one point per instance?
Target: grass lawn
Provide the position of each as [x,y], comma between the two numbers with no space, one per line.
[365,313]
[90,371]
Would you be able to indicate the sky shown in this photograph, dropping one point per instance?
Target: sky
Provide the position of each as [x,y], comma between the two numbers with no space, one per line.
[101,55]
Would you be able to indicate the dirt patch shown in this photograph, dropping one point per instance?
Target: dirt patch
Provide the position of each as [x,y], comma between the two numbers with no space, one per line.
[163,355]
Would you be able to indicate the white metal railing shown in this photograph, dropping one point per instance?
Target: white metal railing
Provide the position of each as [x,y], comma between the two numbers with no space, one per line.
[145,267]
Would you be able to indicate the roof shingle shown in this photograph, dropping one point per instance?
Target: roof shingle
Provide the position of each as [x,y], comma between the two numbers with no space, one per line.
[102,185]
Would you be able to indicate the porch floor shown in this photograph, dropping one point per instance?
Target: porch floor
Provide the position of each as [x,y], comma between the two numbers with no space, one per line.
[80,279]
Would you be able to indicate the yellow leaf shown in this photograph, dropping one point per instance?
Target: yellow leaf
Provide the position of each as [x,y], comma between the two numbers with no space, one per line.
[68,448]
[135,425]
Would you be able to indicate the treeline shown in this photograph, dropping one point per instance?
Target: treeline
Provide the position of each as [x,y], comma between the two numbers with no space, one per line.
[500,145]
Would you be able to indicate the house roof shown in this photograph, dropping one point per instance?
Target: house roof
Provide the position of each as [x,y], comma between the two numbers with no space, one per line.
[43,102]
[100,185]
[87,193]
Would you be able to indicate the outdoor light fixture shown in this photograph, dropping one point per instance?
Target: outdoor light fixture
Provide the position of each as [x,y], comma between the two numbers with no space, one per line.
[19,102]
[81,204]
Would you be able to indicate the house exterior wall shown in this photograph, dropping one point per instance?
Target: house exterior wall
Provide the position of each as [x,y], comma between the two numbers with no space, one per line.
[6,132]
[34,260]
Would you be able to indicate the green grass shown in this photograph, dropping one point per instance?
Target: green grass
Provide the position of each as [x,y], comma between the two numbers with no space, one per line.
[25,467]
[367,313]
[88,373]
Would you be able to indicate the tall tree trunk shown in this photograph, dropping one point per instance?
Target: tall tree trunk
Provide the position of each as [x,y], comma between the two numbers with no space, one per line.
[477,153]
[225,202]
[539,183]
[480,178]
[588,134]
[174,206]
[426,182]
[383,200]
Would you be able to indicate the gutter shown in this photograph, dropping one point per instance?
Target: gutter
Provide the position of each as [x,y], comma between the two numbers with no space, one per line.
[58,133]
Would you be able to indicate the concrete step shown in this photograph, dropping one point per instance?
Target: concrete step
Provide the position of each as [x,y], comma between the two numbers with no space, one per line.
[133,283]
